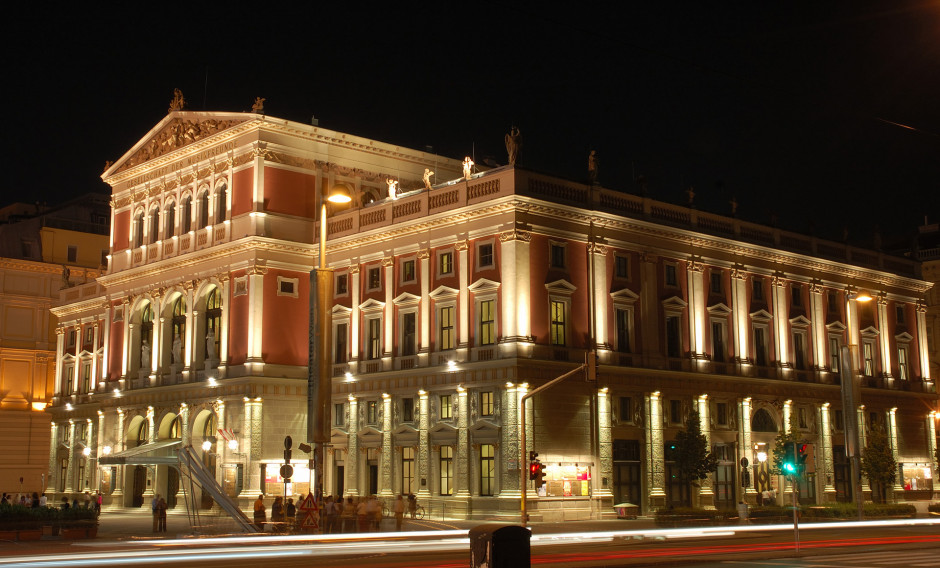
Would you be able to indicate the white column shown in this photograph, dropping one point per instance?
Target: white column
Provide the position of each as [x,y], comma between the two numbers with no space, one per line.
[923,352]
[818,316]
[463,302]
[94,359]
[389,318]
[462,451]
[77,371]
[424,447]
[355,347]
[740,309]
[601,297]
[424,310]
[59,358]
[605,476]
[655,458]
[696,277]
[824,463]
[884,339]
[126,340]
[255,312]
[893,441]
[70,471]
[744,436]
[787,416]
[351,471]
[386,490]
[778,290]
[119,444]
[252,437]
[53,465]
[221,447]
[515,288]
[704,413]
[224,289]
[107,319]
[932,442]
[509,445]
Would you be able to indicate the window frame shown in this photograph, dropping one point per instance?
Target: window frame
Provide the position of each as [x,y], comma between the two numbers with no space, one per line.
[480,257]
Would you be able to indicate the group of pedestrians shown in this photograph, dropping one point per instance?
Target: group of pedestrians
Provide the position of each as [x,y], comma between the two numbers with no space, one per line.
[283,514]
[362,514]
[37,500]
[158,506]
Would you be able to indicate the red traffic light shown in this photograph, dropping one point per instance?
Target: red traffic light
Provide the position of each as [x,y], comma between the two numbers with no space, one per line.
[534,469]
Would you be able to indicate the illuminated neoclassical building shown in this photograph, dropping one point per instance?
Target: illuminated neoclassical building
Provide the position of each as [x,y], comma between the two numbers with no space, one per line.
[451,301]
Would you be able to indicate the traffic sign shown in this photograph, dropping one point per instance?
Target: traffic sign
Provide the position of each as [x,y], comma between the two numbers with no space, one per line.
[287,471]
[308,504]
[311,521]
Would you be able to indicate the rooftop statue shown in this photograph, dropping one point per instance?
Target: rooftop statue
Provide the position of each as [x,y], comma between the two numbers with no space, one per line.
[592,166]
[427,178]
[178,101]
[513,144]
[392,188]
[467,167]
[258,106]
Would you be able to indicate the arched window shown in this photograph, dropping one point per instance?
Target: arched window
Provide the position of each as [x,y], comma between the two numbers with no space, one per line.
[146,334]
[221,204]
[204,209]
[763,422]
[154,225]
[142,434]
[214,318]
[176,429]
[139,229]
[179,318]
[169,221]
[186,220]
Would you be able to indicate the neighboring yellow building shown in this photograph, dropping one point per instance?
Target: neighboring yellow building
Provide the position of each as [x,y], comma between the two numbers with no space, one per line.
[42,251]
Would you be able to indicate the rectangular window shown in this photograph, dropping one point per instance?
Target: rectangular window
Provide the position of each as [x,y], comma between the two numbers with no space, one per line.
[760,346]
[339,343]
[375,278]
[839,420]
[485,256]
[834,354]
[407,470]
[486,403]
[671,277]
[900,314]
[446,408]
[716,282]
[339,414]
[342,284]
[447,470]
[796,295]
[487,469]
[673,337]
[557,322]
[69,381]
[621,266]
[71,341]
[757,289]
[374,339]
[801,414]
[868,351]
[408,334]
[286,288]
[675,411]
[832,303]
[445,263]
[372,411]
[73,253]
[718,342]
[408,271]
[86,378]
[89,334]
[487,322]
[799,351]
[446,322]
[558,255]
[407,409]
[623,330]
[722,414]
[626,409]
[902,363]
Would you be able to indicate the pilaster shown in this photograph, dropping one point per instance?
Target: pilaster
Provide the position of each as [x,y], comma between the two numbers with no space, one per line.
[655,458]
[605,447]
[706,491]
[825,454]
[424,447]
[386,484]
[352,457]
[462,474]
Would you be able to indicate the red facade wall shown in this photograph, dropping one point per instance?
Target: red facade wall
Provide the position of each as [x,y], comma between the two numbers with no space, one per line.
[122,230]
[285,330]
[116,349]
[242,186]
[292,193]
[238,325]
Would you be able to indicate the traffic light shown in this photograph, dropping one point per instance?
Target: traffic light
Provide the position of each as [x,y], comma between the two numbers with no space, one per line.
[540,474]
[534,468]
[802,452]
[789,459]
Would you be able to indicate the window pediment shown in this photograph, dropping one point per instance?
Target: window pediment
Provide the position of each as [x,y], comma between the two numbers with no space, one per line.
[443,292]
[340,310]
[369,434]
[372,305]
[719,309]
[483,426]
[484,285]
[675,303]
[406,299]
[761,316]
[405,430]
[904,337]
[800,321]
[561,287]
[869,332]
[624,296]
[835,327]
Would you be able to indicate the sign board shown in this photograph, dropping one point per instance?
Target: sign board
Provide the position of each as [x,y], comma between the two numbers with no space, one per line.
[287,471]
[309,504]
[311,521]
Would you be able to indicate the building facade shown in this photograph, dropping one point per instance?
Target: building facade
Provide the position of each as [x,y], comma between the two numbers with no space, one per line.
[44,252]
[454,296]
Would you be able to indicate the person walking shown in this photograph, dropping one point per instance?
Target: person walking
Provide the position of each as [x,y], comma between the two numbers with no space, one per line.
[362,515]
[161,515]
[260,515]
[412,505]
[399,512]
[291,512]
[349,516]
[277,514]
[155,510]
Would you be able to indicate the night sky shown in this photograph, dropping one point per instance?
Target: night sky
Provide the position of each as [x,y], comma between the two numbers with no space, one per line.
[787,107]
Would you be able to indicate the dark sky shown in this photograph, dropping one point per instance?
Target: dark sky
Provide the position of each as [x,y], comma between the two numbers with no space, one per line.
[780,105]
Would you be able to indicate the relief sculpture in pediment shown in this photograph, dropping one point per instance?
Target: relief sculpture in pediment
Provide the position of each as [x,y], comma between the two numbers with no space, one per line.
[177,134]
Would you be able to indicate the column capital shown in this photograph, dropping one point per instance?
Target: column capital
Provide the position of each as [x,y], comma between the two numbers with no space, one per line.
[515,235]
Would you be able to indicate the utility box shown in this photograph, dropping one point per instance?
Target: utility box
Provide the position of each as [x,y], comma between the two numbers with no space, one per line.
[499,546]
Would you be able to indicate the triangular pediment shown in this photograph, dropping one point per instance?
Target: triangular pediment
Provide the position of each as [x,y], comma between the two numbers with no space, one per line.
[177,130]
[405,430]
[371,305]
[368,433]
[869,331]
[624,296]
[406,299]
[339,437]
[484,285]
[719,309]
[674,302]
[442,292]
[904,336]
[339,310]
[800,321]
[562,287]
[836,327]
[761,315]
[484,426]
[443,427]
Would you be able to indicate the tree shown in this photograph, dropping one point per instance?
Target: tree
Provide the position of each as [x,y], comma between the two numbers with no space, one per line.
[692,456]
[878,464]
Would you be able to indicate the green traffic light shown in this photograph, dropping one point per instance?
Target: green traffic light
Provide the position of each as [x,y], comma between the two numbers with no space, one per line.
[789,468]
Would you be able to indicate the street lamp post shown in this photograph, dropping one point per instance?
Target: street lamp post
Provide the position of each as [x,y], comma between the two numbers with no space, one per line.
[851,397]
[319,368]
